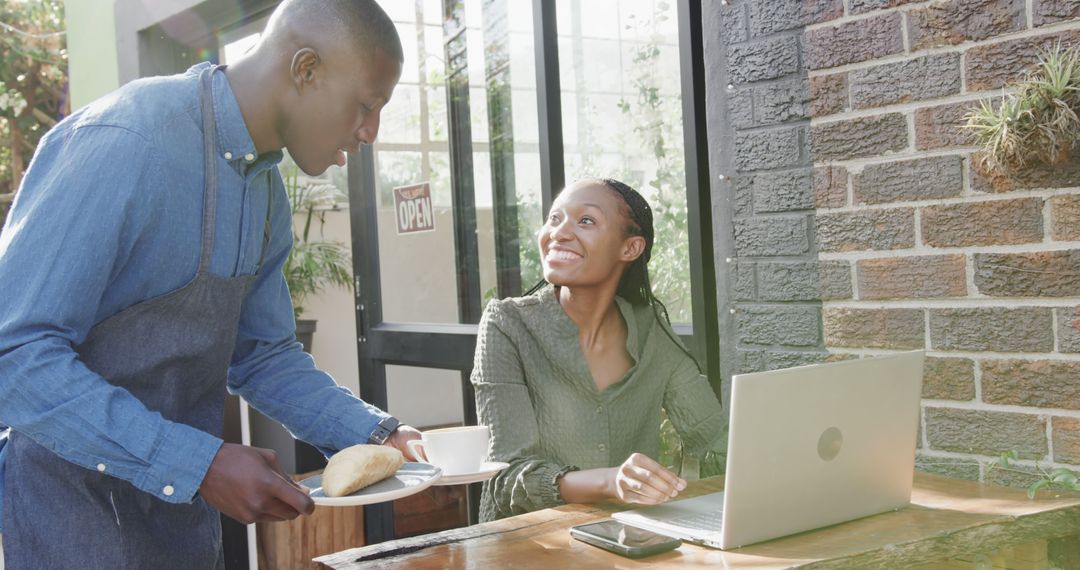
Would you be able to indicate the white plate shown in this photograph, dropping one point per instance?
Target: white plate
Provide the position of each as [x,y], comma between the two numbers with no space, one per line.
[411,478]
[488,469]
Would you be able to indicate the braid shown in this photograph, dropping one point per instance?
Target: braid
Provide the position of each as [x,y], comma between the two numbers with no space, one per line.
[634,286]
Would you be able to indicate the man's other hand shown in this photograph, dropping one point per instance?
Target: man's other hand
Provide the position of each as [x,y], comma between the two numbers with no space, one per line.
[248,485]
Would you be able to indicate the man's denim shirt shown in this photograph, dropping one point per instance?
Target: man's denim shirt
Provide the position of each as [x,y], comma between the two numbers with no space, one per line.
[108,215]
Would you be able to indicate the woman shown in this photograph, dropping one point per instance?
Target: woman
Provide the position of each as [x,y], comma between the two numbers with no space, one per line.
[572,378]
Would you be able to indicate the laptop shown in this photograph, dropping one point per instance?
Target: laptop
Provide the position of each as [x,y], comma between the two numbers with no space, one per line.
[808,447]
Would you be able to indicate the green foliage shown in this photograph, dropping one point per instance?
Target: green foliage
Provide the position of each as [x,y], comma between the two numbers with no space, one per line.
[1060,477]
[313,263]
[1037,122]
[33,82]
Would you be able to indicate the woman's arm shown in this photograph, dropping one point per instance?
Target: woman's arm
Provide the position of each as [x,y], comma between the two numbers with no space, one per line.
[696,414]
[503,404]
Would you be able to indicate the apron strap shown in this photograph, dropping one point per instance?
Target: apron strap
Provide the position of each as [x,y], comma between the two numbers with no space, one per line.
[209,219]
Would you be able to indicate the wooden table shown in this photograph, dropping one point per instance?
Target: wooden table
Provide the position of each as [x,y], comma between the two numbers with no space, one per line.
[951,524]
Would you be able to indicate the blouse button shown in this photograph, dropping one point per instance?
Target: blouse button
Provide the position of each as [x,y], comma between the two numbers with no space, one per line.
[601,447]
[599,409]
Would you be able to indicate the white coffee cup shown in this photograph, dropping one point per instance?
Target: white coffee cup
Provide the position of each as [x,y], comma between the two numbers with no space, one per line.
[456,450]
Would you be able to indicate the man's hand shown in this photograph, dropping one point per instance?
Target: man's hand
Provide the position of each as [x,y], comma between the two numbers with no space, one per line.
[400,439]
[248,485]
[642,480]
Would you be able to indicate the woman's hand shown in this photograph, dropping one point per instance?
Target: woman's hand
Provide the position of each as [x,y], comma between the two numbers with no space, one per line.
[641,480]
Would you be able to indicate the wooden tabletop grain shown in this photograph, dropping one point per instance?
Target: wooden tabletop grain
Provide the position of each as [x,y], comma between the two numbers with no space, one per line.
[948,518]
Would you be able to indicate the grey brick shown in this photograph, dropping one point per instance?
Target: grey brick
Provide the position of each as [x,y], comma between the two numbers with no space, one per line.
[778,325]
[910,80]
[741,108]
[775,235]
[782,102]
[780,15]
[743,187]
[767,149]
[906,180]
[871,229]
[742,281]
[784,191]
[804,281]
[853,42]
[763,59]
[858,138]
[996,329]
[733,22]
[986,433]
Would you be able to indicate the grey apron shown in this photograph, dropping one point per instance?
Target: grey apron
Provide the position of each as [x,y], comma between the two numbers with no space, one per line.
[172,353]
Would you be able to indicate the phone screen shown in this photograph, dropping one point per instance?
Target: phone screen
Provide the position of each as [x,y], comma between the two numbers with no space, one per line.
[628,536]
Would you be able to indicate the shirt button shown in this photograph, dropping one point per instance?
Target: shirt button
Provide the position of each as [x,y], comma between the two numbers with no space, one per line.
[101,467]
[249,157]
[228,156]
[168,490]
[601,447]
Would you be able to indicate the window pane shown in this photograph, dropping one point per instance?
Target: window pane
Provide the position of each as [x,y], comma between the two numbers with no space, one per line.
[622,118]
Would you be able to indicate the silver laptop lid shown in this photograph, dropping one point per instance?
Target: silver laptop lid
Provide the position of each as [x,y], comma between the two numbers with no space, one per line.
[818,445]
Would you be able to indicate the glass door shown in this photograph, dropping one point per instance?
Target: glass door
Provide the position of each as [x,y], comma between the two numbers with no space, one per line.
[445,207]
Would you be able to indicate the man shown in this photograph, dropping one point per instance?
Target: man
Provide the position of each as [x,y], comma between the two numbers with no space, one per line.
[141,273]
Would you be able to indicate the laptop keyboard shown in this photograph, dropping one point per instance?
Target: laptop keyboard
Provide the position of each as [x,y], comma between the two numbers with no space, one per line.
[700,521]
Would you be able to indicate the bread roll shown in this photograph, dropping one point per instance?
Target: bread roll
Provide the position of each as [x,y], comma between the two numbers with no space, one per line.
[359,466]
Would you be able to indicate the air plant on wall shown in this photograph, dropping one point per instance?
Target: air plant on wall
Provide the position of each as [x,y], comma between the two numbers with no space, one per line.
[1035,122]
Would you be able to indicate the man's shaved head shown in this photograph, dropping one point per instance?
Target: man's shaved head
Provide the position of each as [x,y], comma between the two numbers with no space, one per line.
[359,24]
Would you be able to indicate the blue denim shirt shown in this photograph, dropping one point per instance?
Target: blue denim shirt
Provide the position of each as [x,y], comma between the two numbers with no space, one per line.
[109,215]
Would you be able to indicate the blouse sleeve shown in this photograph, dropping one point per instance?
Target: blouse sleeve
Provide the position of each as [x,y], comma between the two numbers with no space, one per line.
[695,412]
[504,405]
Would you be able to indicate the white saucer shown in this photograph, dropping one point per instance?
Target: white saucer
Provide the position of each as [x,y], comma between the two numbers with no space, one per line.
[411,478]
[488,469]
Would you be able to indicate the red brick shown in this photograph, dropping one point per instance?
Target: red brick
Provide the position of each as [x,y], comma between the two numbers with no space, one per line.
[992,329]
[1051,11]
[992,66]
[956,21]
[863,6]
[998,222]
[830,186]
[853,42]
[949,379]
[986,433]
[828,94]
[1065,217]
[1032,274]
[893,228]
[942,126]
[912,277]
[874,328]
[1066,433]
[1033,383]
[1064,174]
[859,137]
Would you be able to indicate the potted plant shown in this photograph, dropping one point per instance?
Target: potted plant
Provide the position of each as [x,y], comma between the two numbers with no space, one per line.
[313,262]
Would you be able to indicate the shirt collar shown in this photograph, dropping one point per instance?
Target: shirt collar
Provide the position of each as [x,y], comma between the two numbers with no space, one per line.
[234,142]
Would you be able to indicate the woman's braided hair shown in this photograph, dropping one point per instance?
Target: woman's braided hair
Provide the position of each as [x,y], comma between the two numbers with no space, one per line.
[634,285]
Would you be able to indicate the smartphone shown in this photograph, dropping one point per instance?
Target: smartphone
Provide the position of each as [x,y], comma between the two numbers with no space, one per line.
[614,536]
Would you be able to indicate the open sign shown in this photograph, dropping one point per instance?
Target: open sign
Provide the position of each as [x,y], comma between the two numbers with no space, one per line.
[412,205]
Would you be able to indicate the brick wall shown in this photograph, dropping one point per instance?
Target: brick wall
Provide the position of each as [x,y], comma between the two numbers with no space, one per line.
[854,221]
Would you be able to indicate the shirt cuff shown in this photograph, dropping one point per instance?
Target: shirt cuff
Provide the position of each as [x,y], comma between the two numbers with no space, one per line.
[550,475]
[179,463]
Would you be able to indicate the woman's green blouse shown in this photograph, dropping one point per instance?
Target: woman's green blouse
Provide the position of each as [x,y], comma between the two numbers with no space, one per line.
[536,393]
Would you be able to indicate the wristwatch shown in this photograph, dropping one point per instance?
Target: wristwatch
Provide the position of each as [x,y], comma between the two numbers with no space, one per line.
[383,430]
